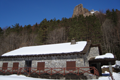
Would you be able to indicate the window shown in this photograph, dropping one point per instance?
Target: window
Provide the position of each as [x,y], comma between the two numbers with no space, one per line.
[40,65]
[15,65]
[4,66]
[70,65]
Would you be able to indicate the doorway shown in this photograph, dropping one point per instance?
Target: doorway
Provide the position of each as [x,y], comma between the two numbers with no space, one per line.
[93,65]
[97,65]
[28,65]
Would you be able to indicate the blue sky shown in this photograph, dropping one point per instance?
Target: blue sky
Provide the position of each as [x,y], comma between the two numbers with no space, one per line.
[27,12]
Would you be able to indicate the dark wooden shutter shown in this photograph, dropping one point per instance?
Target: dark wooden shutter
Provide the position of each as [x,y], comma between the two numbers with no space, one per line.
[4,66]
[70,65]
[15,65]
[40,65]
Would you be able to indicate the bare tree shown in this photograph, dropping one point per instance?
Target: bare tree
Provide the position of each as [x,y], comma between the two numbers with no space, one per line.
[101,16]
[109,35]
[56,36]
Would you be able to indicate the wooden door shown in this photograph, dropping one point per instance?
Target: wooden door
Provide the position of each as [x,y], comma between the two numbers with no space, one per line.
[15,65]
[70,65]
[4,66]
[40,65]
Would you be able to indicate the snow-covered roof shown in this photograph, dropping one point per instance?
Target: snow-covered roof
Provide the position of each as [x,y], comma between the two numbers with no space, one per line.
[48,49]
[106,66]
[107,55]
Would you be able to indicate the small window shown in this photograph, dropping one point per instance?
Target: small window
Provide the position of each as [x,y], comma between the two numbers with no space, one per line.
[40,65]
[15,65]
[70,65]
[4,66]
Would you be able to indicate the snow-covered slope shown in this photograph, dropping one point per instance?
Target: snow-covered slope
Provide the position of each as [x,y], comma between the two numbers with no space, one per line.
[48,49]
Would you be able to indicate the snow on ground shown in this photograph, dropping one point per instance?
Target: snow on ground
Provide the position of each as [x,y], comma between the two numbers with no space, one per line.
[48,49]
[107,72]
[92,12]
[117,62]
[116,76]
[107,55]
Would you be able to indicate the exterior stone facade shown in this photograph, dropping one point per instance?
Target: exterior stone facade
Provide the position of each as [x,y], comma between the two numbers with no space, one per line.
[59,63]
[10,64]
[94,51]
[55,61]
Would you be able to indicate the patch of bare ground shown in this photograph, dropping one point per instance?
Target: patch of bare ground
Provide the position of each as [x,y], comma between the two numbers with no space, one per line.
[107,69]
[59,76]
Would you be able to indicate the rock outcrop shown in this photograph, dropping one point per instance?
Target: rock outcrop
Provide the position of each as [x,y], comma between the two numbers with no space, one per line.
[79,10]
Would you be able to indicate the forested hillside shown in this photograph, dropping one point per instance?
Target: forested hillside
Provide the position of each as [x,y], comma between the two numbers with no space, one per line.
[103,29]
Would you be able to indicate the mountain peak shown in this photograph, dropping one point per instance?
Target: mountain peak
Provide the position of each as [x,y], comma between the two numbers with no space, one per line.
[79,10]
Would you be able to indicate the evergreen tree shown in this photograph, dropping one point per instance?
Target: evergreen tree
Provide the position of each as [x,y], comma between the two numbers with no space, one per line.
[1,31]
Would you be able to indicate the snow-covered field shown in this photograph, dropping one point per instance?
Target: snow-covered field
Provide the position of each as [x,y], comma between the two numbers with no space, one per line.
[22,77]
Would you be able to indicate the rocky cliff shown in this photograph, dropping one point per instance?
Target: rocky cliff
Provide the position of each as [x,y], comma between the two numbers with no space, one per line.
[78,10]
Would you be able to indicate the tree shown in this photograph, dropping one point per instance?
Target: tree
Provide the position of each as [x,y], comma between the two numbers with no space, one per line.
[1,31]
[109,35]
[112,15]
[101,16]
[56,36]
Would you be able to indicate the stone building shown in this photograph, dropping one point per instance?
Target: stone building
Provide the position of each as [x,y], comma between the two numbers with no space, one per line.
[63,55]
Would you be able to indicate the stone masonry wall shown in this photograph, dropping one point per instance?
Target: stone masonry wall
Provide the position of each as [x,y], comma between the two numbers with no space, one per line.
[94,51]
[10,63]
[58,63]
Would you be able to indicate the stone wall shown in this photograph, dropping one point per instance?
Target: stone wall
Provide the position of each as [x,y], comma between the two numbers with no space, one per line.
[94,51]
[50,62]
[59,63]
[10,63]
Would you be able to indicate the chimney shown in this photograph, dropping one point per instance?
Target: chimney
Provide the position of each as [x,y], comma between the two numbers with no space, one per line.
[73,41]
